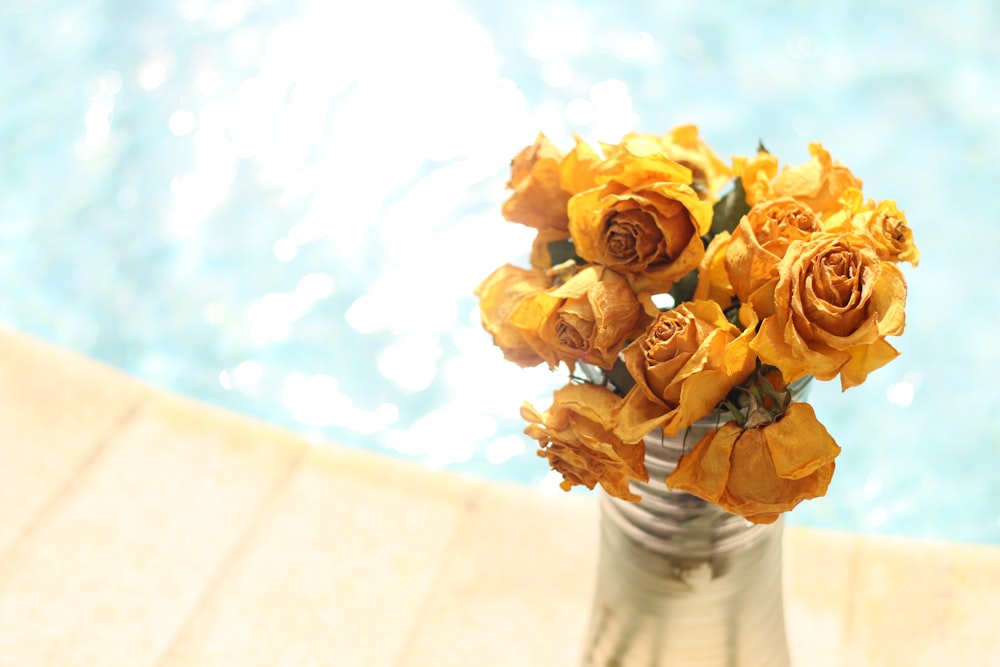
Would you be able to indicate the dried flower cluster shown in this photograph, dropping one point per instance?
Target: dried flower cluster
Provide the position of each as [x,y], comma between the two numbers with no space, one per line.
[774,275]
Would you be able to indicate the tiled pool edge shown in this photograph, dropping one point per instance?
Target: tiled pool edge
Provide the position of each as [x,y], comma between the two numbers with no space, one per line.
[273,549]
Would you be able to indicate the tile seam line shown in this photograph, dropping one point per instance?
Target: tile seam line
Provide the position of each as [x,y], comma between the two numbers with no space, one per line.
[472,503]
[101,446]
[217,577]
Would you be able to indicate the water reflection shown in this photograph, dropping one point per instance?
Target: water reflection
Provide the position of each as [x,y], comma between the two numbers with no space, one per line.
[283,208]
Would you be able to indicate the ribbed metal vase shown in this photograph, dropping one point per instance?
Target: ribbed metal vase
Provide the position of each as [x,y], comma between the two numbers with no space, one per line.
[680,581]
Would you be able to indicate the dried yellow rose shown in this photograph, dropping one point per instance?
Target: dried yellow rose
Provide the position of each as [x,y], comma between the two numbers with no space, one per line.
[683,366]
[763,471]
[643,219]
[500,294]
[759,242]
[834,304]
[818,183]
[708,173]
[587,319]
[543,179]
[883,222]
[575,434]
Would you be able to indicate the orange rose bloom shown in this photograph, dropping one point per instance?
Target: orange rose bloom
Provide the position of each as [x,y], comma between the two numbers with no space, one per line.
[683,366]
[819,183]
[760,472]
[576,436]
[500,294]
[643,220]
[708,173]
[543,179]
[758,244]
[883,222]
[586,319]
[834,304]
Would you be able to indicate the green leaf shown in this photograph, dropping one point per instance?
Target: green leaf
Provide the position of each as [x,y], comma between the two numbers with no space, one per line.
[683,289]
[733,314]
[619,377]
[563,251]
[728,211]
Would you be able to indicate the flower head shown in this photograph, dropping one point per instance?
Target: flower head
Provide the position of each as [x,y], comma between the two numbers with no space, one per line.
[685,363]
[543,178]
[500,295]
[576,435]
[586,319]
[643,219]
[834,304]
[883,222]
[762,471]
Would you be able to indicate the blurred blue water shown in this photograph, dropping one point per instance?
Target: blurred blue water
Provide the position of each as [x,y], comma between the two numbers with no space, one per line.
[282,207]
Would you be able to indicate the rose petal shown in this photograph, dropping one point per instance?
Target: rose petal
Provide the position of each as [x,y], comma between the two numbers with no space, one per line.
[799,444]
[865,359]
[704,471]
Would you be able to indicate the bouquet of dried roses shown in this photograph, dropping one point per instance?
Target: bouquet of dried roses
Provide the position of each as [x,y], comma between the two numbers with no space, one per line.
[674,286]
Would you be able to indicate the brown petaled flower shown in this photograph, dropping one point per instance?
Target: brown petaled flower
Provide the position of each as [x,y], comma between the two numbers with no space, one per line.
[893,237]
[834,304]
[687,361]
[643,220]
[819,183]
[763,471]
[500,294]
[543,179]
[586,319]
[759,242]
[883,222]
[576,436]
[708,173]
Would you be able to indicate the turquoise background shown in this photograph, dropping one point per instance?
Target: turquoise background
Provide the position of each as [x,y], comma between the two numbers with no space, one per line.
[282,207]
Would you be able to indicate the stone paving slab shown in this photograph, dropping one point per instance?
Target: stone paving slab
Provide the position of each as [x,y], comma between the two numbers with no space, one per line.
[138,528]
[111,573]
[515,588]
[337,569]
[57,409]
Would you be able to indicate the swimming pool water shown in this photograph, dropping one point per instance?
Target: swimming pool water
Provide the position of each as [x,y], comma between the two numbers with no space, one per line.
[282,207]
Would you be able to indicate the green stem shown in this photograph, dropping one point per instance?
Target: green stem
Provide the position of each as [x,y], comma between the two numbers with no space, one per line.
[735,412]
[780,400]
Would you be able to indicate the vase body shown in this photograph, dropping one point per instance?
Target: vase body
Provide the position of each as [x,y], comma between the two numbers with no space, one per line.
[682,582]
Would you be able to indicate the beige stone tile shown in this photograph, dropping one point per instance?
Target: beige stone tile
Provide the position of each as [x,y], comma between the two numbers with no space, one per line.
[109,575]
[58,408]
[516,587]
[336,570]
[819,573]
[927,604]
